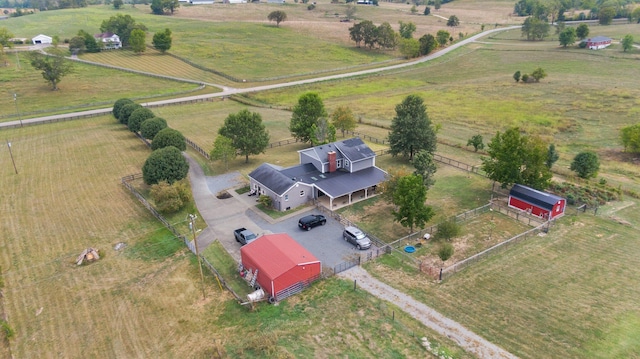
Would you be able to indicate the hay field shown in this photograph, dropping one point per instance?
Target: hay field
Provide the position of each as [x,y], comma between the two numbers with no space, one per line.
[66,197]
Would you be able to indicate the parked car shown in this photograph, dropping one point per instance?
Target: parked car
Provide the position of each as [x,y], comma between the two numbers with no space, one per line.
[244,236]
[310,221]
[356,237]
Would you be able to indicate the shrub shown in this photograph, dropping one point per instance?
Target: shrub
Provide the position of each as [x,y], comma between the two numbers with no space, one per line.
[445,251]
[126,111]
[448,230]
[165,164]
[311,7]
[170,198]
[8,331]
[150,127]
[137,117]
[525,78]
[118,105]
[265,201]
[169,137]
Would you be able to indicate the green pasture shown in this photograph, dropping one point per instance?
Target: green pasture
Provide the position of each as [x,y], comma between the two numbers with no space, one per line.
[86,88]
[568,294]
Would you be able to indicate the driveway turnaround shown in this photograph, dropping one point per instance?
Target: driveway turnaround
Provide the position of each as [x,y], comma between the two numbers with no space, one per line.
[468,340]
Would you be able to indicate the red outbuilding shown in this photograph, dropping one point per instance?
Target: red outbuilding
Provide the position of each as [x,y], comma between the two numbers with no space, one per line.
[284,266]
[538,203]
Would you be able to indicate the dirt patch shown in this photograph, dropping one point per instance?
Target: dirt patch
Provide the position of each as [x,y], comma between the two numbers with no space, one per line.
[223,195]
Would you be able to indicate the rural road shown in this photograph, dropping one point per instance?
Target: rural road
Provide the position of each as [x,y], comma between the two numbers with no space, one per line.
[468,340]
[228,91]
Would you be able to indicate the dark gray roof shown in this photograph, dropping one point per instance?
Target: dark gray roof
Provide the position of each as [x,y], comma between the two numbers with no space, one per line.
[339,183]
[354,149]
[533,196]
[272,178]
[599,39]
[320,152]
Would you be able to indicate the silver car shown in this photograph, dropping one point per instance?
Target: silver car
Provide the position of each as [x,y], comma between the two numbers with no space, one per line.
[356,237]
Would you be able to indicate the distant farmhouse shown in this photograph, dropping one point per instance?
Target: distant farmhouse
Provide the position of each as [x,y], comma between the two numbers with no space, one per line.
[110,40]
[337,173]
[598,42]
[42,39]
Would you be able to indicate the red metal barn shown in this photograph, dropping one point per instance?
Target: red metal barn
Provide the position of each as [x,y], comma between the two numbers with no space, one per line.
[284,266]
[538,203]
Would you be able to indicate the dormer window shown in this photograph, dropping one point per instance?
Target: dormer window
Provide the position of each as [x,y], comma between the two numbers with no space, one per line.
[346,163]
[339,162]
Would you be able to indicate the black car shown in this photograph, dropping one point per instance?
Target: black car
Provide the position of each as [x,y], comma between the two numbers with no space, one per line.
[310,221]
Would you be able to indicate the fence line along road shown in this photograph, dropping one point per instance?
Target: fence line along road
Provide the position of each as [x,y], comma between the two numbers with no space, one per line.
[228,91]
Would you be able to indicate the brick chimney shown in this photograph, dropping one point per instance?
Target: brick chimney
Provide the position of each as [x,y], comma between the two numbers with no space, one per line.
[332,161]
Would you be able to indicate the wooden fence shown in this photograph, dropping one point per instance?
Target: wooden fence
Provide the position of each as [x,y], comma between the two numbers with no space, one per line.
[126,182]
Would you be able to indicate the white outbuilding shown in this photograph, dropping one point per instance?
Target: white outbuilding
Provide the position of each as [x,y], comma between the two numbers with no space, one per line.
[42,39]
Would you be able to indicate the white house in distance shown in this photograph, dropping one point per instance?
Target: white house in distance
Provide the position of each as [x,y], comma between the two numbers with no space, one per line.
[110,40]
[598,42]
[337,173]
[42,39]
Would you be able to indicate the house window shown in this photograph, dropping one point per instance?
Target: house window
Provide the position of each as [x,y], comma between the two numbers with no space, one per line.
[302,193]
[286,197]
[339,163]
[346,164]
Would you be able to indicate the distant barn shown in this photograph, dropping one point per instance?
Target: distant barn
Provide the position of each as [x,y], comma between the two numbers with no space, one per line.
[537,203]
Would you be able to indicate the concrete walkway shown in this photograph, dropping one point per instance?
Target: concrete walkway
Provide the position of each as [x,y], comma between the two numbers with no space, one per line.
[468,340]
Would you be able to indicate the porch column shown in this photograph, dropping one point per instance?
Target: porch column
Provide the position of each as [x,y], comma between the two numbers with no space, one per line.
[350,193]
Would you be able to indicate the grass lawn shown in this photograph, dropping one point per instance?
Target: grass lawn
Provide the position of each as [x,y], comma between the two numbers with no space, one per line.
[568,294]
[86,88]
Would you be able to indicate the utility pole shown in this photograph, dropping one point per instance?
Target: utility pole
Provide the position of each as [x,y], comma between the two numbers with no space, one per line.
[192,224]
[15,99]
[11,154]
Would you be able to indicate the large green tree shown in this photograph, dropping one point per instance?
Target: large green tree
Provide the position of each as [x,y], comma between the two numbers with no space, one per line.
[568,36]
[442,37]
[323,132]
[409,197]
[411,129]
[137,41]
[306,114]
[586,164]
[425,167]
[343,119]
[369,33]
[535,28]
[409,48]
[247,132]
[151,126]
[77,46]
[627,42]
[53,68]
[137,117]
[606,14]
[165,164]
[278,16]
[387,38]
[90,43]
[121,25]
[516,158]
[453,21]
[428,43]
[356,33]
[630,137]
[582,31]
[169,137]
[223,150]
[162,40]
[5,37]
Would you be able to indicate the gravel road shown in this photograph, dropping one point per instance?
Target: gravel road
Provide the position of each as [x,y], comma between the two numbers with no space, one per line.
[468,340]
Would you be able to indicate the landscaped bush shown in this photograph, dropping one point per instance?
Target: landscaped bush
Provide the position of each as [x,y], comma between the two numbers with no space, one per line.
[118,105]
[170,198]
[151,126]
[126,111]
[137,117]
[166,164]
[169,137]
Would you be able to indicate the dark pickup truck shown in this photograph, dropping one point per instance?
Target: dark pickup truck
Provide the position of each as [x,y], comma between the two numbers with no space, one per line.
[244,236]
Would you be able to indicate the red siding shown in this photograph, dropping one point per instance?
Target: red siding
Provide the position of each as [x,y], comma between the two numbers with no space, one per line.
[558,208]
[294,275]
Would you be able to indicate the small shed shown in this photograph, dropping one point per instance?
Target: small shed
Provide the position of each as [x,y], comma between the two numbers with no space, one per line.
[284,267]
[598,42]
[537,203]
[42,39]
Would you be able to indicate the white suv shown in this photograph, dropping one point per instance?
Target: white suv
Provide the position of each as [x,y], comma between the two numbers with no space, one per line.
[356,237]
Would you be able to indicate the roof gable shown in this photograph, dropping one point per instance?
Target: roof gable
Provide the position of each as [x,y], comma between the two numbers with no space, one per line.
[539,198]
[355,149]
[277,253]
[272,178]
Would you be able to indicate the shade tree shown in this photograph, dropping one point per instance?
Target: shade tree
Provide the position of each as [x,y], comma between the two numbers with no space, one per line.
[53,68]
[137,117]
[118,105]
[162,40]
[168,137]
[586,164]
[278,16]
[126,111]
[306,114]
[223,150]
[411,129]
[151,126]
[165,164]
[247,133]
[409,198]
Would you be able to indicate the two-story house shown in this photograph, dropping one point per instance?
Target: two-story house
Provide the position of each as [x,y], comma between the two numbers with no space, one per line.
[109,40]
[337,173]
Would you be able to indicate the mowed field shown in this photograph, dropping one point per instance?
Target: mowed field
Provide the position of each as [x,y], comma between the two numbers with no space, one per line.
[145,300]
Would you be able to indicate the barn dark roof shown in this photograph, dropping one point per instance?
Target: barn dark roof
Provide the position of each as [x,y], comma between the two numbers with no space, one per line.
[533,196]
